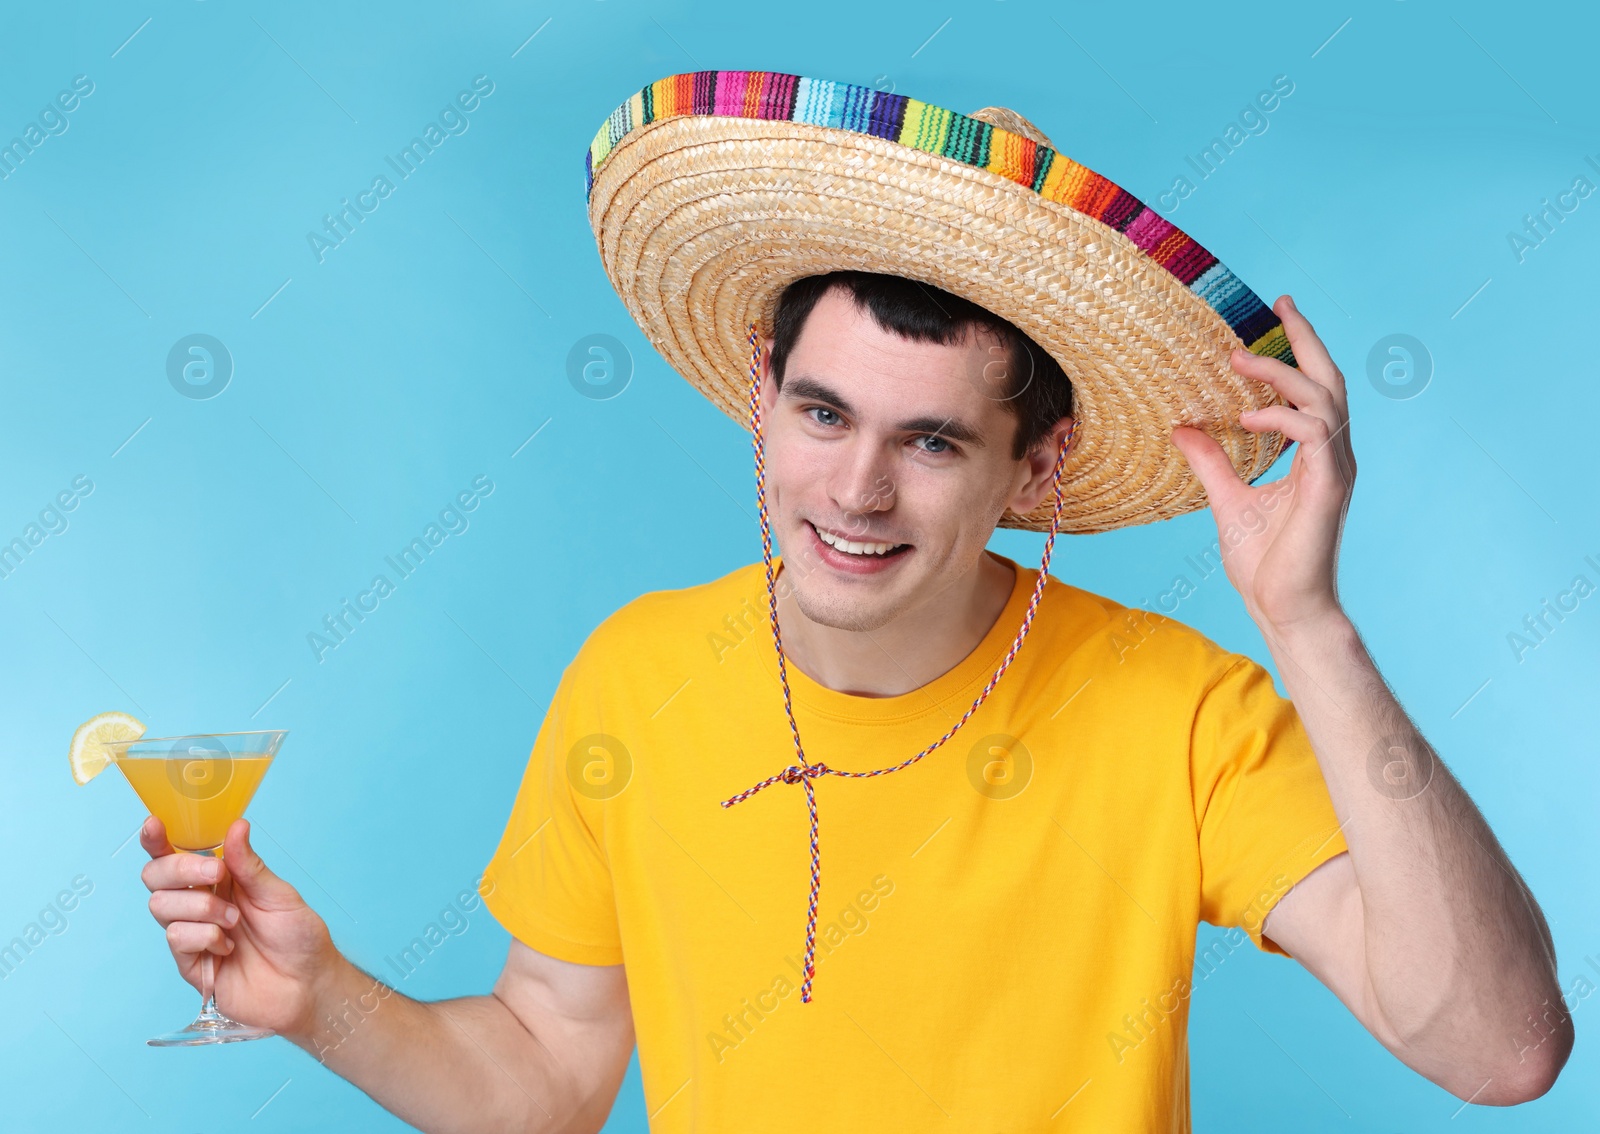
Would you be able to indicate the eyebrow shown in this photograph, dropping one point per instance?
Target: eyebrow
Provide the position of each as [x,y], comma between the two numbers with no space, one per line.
[804,387]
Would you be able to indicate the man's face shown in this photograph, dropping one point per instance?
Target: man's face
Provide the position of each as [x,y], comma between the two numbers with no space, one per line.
[877,440]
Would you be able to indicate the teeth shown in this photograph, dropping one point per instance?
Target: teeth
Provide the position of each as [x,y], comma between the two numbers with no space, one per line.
[852,547]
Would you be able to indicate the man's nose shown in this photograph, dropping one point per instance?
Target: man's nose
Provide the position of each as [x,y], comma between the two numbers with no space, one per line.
[863,483]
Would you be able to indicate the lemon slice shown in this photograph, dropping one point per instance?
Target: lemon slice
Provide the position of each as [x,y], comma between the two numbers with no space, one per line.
[89,752]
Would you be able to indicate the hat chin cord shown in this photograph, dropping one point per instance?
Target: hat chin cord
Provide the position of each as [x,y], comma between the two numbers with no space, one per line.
[803,772]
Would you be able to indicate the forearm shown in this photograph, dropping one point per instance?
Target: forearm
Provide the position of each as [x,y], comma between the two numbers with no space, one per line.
[1459,960]
[466,1065]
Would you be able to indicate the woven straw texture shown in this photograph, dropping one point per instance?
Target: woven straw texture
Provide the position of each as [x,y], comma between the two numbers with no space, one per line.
[708,196]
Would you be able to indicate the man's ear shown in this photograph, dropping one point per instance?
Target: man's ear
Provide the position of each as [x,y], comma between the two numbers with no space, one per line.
[1041,466]
[769,388]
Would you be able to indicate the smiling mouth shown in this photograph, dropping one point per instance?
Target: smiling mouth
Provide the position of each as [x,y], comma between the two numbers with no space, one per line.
[866,549]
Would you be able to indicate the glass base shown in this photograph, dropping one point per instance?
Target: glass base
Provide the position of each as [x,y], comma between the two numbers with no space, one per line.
[210,1026]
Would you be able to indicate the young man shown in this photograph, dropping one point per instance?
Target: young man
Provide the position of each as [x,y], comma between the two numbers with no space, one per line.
[1000,931]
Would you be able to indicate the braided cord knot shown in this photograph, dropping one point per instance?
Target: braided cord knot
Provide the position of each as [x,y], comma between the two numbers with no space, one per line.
[794,773]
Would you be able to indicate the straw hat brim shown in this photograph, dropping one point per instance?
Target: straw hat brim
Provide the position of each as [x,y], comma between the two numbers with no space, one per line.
[709,194]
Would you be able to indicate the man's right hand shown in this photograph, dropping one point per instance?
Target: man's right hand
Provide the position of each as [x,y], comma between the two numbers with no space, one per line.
[271,952]
[466,1066]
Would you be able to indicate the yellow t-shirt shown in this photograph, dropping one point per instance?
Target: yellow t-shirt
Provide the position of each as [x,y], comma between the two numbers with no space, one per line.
[1006,929]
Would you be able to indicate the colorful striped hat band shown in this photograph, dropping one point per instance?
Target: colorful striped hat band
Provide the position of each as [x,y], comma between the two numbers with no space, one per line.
[803,772]
[709,192]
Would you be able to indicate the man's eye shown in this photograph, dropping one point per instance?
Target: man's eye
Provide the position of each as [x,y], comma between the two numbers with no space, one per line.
[937,440]
[822,409]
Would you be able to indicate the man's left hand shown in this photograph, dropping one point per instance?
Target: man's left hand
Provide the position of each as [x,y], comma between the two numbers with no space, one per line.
[1280,541]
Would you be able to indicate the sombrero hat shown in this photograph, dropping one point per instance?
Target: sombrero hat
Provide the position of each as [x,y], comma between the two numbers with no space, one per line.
[710,191]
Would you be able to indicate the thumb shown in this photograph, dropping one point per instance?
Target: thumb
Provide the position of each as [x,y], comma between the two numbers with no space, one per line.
[1210,463]
[250,874]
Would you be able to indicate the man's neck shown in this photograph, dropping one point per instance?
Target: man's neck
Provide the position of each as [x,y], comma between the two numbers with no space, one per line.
[919,646]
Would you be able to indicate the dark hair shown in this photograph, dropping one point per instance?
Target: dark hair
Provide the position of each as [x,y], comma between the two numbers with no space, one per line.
[924,313]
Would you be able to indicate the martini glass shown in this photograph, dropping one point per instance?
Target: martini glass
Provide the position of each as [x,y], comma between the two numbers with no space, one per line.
[198,785]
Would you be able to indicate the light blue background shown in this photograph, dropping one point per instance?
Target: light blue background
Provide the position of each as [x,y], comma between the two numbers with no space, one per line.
[429,347]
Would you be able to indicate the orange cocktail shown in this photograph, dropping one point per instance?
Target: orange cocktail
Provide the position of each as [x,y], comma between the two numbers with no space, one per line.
[196,796]
[197,786]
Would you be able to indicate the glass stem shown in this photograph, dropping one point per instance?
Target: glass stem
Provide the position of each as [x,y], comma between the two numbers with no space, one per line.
[208,966]
[208,993]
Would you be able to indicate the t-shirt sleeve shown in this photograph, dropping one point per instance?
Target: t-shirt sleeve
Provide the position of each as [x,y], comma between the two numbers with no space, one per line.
[549,882]
[1262,809]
